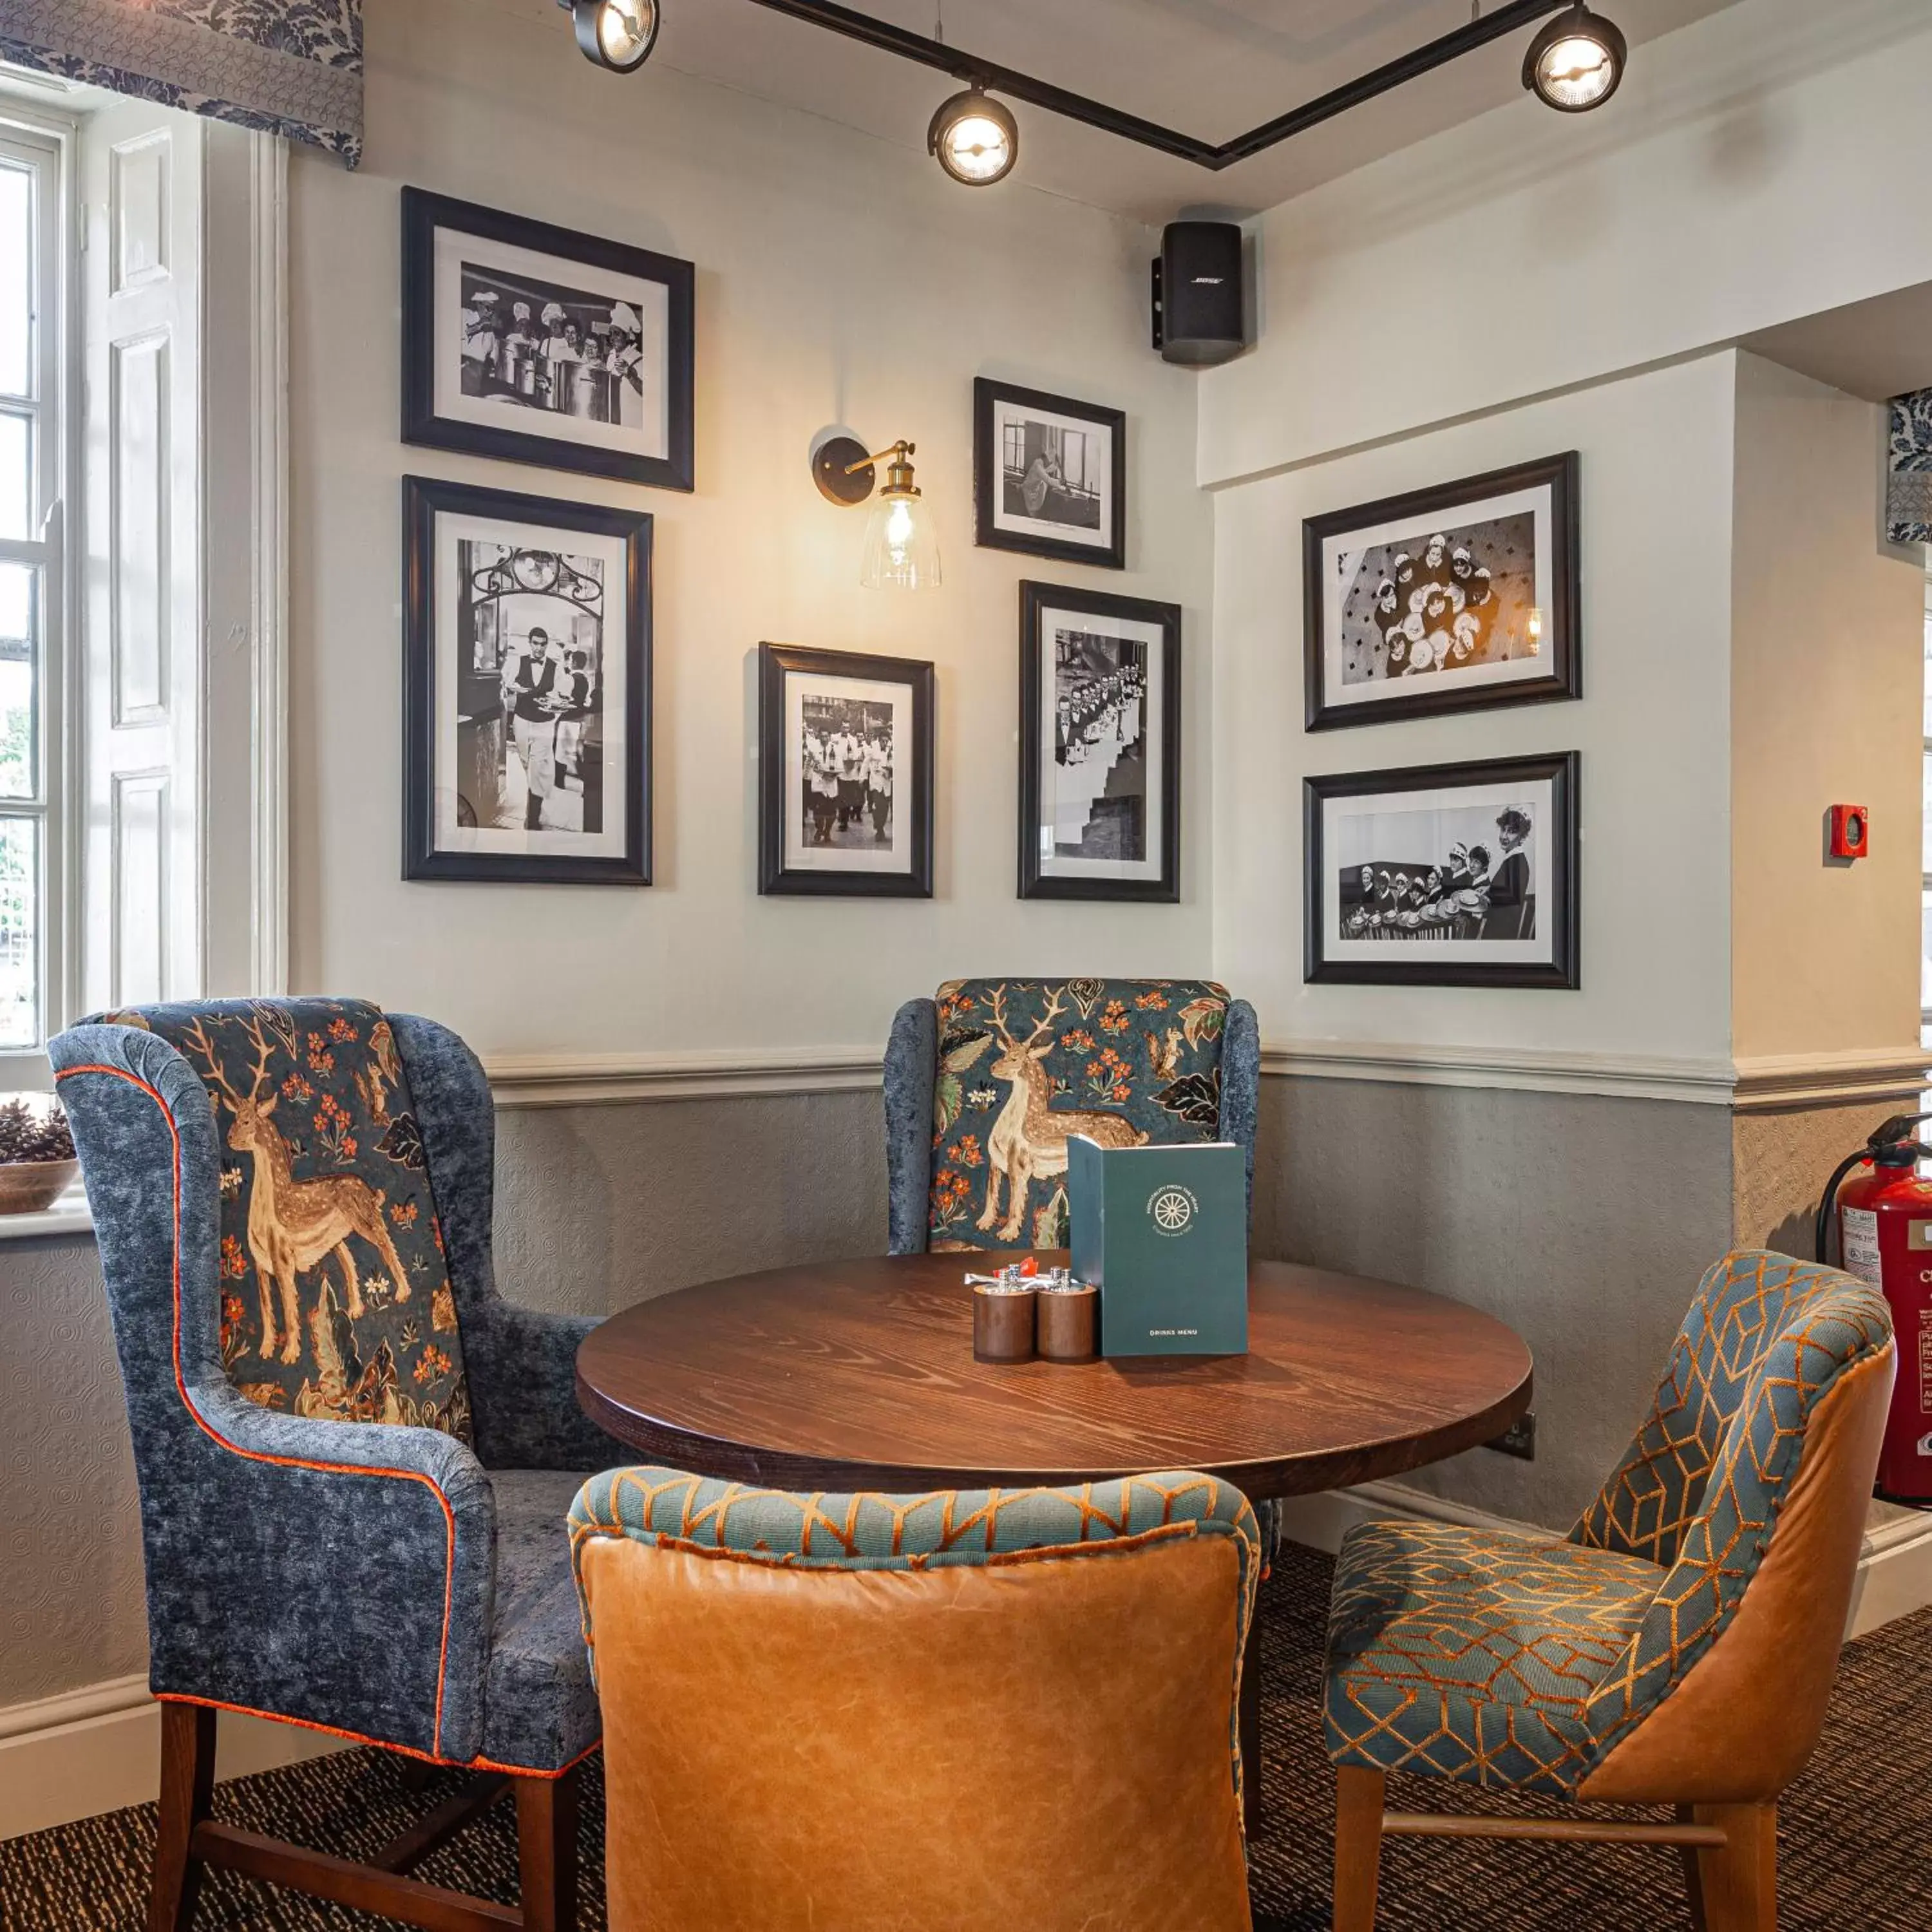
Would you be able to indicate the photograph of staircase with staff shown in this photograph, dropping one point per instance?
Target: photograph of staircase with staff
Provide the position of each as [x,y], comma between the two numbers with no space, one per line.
[1100,750]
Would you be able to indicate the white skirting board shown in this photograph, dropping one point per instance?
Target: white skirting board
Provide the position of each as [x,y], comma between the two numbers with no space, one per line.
[1894,1575]
[98,1749]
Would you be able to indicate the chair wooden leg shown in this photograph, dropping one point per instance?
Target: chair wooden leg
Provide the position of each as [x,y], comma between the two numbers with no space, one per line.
[1248,1728]
[547,1852]
[187,1791]
[1694,1878]
[1740,1882]
[1358,1846]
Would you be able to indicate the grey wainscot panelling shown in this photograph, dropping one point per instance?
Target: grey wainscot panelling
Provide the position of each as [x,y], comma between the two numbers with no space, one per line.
[1583,1221]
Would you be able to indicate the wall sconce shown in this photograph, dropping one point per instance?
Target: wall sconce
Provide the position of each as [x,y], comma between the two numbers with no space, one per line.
[901,550]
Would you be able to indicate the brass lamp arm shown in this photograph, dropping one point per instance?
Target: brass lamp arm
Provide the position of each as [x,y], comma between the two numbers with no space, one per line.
[900,450]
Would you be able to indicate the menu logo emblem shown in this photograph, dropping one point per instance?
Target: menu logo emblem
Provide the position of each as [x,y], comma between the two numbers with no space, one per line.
[1172,1210]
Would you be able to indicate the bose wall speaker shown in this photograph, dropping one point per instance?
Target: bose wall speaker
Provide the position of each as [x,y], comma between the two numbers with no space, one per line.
[1197,293]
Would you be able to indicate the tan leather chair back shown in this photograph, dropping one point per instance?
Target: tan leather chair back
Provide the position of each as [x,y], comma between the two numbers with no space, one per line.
[1040,1746]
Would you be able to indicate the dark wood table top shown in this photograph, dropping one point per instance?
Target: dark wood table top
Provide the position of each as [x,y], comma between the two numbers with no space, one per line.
[860,1374]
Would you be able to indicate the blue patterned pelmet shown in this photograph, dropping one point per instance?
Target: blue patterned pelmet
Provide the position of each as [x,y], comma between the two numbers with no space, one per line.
[289,67]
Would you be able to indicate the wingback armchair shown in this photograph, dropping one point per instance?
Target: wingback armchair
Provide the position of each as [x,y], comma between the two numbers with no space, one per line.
[984,1082]
[1678,1649]
[356,1457]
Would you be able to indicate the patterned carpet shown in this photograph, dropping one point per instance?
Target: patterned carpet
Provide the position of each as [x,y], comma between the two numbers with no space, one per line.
[1856,1842]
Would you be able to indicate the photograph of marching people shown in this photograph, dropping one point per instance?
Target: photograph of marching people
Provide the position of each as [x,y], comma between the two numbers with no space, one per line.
[1049,475]
[1460,596]
[529,342]
[1445,875]
[526,688]
[1099,746]
[844,773]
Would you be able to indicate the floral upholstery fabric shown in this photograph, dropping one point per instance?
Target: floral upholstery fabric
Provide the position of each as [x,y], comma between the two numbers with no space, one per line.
[937,1529]
[1908,506]
[1504,1661]
[1023,1063]
[291,67]
[336,1302]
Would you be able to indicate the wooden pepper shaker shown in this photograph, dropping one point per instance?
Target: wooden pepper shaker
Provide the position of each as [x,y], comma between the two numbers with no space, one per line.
[1068,1321]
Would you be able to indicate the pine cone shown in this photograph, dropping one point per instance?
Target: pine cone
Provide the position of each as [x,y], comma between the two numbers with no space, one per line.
[26,1136]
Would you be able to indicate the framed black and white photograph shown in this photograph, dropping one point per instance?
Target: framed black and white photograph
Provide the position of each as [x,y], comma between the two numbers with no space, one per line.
[1100,746]
[1444,875]
[540,345]
[526,688]
[1452,599]
[1049,475]
[845,774]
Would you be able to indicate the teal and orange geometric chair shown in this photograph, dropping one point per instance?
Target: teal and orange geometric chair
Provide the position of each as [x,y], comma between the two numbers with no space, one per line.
[985,1710]
[1678,1649]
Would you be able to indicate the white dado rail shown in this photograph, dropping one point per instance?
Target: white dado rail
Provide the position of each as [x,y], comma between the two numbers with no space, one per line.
[1757,1086]
[546,1080]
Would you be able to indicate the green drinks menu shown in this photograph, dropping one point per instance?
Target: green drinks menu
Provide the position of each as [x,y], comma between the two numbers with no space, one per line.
[1162,1231]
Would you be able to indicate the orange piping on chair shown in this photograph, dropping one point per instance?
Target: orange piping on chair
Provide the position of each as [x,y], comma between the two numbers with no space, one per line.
[290,1461]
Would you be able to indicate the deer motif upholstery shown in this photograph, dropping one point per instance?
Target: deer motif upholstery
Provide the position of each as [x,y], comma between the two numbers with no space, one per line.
[985,1083]
[325,1214]
[406,1584]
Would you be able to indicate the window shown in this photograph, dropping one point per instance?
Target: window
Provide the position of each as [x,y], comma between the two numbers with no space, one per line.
[32,338]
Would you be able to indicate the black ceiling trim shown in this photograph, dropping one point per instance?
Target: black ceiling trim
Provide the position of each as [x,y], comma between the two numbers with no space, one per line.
[890,39]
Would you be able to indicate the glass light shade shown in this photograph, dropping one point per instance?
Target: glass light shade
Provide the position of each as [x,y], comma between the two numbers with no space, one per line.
[975,140]
[1576,63]
[901,547]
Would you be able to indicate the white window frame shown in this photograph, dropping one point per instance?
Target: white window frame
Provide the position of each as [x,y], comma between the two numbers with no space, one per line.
[43,142]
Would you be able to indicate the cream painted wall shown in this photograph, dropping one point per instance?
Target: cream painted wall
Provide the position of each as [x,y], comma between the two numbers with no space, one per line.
[839,279]
[1655,453]
[1764,163]
[1827,679]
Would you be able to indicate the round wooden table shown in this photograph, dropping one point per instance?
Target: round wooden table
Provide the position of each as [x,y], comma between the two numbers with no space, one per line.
[860,1374]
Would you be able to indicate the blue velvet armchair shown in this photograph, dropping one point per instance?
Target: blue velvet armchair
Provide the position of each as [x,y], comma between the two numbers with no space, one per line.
[355,1458]
[984,1082]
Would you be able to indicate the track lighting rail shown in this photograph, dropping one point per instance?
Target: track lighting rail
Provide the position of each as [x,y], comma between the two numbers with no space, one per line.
[1010,82]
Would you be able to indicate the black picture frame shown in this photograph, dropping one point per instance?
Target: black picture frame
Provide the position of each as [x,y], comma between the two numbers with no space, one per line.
[1560,770]
[1436,695]
[989,482]
[424,216]
[777,663]
[1035,883]
[425,500]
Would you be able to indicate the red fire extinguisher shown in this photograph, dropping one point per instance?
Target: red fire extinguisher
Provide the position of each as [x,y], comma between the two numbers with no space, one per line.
[1885,1237]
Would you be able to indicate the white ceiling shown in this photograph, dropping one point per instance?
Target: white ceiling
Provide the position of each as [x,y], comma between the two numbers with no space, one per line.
[1212,68]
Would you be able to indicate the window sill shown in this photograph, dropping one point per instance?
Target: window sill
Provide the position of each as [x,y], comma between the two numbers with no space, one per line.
[69,1215]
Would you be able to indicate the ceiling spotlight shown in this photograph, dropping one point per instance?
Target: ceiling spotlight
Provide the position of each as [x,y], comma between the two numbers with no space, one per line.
[1575,63]
[618,35]
[976,138]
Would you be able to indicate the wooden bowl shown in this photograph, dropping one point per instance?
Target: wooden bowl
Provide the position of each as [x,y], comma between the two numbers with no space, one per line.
[32,1186]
